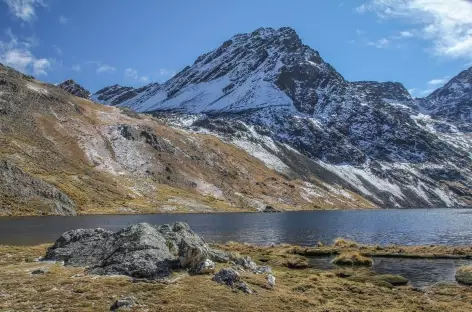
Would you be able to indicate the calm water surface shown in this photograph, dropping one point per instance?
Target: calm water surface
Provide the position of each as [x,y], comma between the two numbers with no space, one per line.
[403,227]
[420,272]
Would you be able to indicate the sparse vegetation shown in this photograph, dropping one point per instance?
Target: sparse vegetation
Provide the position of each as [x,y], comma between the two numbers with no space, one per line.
[352,258]
[68,289]
[464,275]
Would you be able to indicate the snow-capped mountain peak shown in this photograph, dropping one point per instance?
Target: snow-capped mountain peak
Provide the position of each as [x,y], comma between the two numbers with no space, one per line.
[275,97]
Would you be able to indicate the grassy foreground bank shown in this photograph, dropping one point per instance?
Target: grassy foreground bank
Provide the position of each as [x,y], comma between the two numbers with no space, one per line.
[298,287]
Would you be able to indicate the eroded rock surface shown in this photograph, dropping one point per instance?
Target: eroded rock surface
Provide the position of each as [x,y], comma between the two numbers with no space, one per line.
[140,251]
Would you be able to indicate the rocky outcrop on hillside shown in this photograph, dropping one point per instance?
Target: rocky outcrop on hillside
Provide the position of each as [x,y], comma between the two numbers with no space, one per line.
[139,251]
[18,188]
[74,88]
[276,98]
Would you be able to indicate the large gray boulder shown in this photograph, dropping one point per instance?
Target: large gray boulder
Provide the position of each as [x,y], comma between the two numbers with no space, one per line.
[140,251]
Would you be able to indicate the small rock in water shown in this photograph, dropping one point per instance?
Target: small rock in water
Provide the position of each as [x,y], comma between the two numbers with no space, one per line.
[40,271]
[271,280]
[124,303]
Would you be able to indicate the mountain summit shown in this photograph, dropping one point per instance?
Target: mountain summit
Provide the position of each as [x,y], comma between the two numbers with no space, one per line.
[277,98]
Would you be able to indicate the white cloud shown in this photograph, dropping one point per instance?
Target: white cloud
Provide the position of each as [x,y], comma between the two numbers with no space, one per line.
[440,81]
[133,74]
[359,32]
[63,20]
[24,9]
[379,44]
[40,66]
[17,54]
[104,68]
[406,34]
[446,23]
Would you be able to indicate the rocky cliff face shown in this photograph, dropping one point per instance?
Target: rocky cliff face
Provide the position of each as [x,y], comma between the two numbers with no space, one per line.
[275,97]
[74,88]
[453,101]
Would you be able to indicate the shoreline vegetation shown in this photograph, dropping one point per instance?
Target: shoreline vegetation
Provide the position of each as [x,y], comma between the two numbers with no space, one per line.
[296,287]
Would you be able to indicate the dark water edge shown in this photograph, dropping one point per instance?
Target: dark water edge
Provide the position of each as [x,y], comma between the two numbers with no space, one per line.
[384,227]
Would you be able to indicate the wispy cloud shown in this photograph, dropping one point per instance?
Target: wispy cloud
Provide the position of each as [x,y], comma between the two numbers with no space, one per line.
[17,54]
[24,9]
[133,74]
[63,20]
[406,34]
[379,44]
[439,81]
[104,68]
[447,24]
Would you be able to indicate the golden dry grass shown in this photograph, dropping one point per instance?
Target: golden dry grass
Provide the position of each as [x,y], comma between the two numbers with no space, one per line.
[67,289]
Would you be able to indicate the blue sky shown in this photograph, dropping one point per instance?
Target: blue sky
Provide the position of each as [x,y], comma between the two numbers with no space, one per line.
[420,43]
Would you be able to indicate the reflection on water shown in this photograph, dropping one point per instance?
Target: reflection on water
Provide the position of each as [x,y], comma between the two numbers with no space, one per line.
[402,227]
[420,272]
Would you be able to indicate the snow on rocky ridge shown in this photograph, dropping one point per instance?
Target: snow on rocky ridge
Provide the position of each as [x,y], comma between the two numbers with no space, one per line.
[275,97]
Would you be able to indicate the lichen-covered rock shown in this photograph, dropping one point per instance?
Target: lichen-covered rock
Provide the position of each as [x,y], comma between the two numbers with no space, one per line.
[141,250]
[247,263]
[205,267]
[264,269]
[124,304]
[231,278]
[271,280]
[227,276]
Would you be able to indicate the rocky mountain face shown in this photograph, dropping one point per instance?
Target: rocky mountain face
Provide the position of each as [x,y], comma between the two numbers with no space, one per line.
[276,98]
[74,88]
[452,102]
[63,154]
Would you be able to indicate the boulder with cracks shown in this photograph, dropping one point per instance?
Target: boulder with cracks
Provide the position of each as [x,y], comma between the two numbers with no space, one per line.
[139,251]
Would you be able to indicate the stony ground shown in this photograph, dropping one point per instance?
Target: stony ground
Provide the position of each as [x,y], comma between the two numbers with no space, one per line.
[68,289]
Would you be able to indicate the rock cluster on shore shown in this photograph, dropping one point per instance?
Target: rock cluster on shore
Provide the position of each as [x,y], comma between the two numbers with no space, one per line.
[140,251]
[145,251]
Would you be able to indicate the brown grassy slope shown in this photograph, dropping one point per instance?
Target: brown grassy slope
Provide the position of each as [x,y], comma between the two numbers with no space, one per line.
[67,289]
[107,161]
